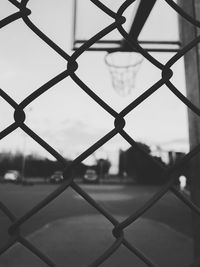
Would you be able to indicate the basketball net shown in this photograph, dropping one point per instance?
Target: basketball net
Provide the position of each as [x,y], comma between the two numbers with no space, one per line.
[123,67]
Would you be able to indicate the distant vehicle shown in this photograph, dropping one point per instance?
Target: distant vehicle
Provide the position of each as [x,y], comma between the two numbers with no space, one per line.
[12,176]
[90,176]
[56,177]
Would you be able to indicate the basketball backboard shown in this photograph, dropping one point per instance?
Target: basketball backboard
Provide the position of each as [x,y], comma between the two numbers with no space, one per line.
[146,21]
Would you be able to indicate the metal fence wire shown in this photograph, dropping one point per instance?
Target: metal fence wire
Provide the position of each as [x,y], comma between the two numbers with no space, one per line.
[118,128]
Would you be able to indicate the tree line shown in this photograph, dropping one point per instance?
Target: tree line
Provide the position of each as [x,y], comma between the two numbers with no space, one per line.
[34,166]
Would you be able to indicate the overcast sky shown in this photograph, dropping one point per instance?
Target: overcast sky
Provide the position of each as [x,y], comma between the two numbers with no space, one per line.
[65,116]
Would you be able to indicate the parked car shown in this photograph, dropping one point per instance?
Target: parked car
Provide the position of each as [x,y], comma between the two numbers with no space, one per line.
[12,176]
[56,177]
[91,176]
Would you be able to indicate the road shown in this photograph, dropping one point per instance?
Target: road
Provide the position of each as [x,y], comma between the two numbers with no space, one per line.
[120,200]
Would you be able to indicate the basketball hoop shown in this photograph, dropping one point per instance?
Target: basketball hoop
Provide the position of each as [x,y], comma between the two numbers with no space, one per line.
[123,67]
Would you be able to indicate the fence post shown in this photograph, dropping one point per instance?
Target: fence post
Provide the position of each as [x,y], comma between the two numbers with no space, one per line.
[192,73]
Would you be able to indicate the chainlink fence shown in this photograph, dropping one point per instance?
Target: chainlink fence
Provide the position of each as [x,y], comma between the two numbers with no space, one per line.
[118,128]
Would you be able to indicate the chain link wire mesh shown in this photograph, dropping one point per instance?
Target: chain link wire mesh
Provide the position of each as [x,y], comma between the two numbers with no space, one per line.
[118,128]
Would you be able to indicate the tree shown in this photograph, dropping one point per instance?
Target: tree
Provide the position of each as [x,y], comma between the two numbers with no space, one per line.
[103,166]
[138,164]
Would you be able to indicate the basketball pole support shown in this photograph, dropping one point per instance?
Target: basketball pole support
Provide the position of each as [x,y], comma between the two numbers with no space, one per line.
[192,75]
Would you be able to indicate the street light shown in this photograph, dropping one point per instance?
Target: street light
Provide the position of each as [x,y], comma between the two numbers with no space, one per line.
[24,150]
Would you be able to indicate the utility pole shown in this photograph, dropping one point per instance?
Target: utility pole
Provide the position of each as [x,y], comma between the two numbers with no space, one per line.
[189,32]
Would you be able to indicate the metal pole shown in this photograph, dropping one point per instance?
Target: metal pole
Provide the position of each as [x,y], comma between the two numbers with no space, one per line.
[192,72]
[23,157]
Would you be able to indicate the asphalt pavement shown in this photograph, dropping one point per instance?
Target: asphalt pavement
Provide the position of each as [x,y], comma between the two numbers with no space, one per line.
[73,233]
[79,241]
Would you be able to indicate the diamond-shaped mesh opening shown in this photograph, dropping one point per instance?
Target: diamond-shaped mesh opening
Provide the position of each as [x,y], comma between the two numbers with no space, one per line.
[161,111]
